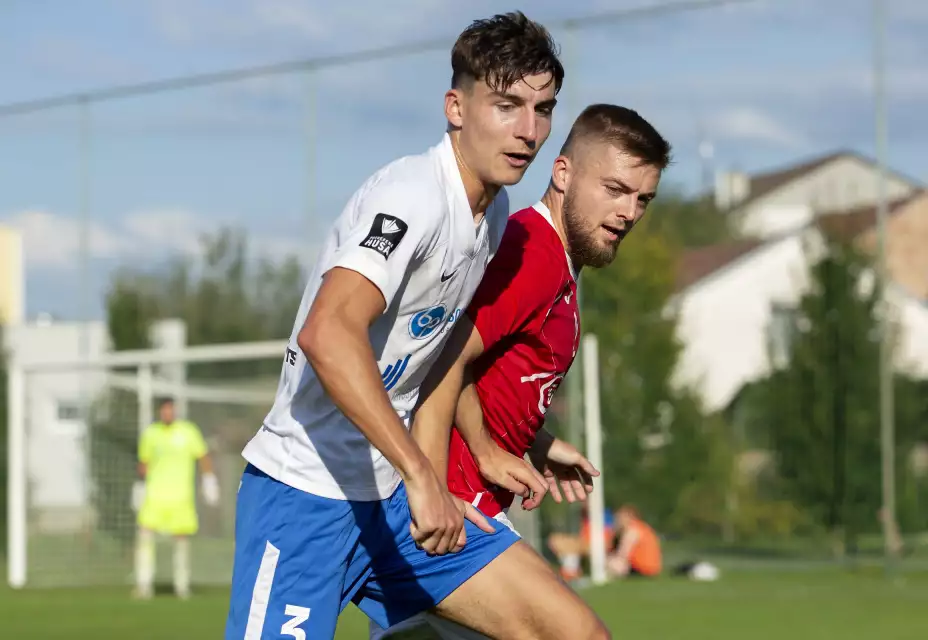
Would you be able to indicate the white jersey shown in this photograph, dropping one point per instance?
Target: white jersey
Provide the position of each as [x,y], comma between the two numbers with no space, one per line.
[410,231]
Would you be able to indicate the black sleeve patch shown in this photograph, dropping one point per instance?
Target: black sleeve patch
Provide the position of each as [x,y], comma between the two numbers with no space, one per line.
[385,234]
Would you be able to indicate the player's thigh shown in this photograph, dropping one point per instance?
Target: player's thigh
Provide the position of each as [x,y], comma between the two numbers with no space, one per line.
[291,556]
[424,625]
[405,580]
[517,595]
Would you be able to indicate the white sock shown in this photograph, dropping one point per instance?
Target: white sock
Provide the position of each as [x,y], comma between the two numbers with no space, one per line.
[145,562]
[571,562]
[182,567]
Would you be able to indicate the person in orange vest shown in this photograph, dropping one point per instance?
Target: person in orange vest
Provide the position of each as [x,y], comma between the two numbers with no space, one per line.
[639,549]
[570,548]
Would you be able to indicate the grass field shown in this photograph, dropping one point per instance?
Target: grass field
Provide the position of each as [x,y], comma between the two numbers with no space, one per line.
[767,605]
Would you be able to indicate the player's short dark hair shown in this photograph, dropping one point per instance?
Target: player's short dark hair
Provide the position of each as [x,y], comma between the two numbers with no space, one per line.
[165,401]
[622,127]
[502,50]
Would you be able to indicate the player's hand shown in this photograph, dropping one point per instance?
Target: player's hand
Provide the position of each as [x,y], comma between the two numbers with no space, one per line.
[210,489]
[138,495]
[566,469]
[437,525]
[513,473]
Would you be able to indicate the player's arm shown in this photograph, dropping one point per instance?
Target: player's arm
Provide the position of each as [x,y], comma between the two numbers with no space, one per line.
[200,452]
[372,265]
[503,305]
[206,464]
[336,343]
[438,396]
[496,464]
[450,395]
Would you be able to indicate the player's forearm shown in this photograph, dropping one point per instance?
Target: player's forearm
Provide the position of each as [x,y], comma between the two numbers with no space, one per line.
[434,444]
[469,421]
[344,362]
[206,464]
[440,393]
[432,424]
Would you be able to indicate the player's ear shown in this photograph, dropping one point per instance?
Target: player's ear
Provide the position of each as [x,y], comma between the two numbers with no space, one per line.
[454,108]
[561,173]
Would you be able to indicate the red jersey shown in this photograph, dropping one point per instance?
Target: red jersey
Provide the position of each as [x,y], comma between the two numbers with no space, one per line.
[526,312]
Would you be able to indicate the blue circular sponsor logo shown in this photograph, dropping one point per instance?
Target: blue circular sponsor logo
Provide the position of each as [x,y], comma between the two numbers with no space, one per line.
[424,323]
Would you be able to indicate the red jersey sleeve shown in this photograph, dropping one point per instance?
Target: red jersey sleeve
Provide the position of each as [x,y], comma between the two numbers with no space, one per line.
[519,286]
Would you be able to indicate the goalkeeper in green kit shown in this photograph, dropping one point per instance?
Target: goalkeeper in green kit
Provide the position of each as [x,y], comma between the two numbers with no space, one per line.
[165,496]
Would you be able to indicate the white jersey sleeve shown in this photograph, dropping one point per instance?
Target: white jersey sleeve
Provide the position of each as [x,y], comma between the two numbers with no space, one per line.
[386,235]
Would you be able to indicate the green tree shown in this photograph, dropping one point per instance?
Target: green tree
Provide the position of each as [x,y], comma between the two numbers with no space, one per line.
[687,222]
[129,311]
[657,442]
[821,410]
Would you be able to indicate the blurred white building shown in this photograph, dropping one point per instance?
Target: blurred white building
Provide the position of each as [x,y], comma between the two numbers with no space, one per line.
[769,204]
[735,301]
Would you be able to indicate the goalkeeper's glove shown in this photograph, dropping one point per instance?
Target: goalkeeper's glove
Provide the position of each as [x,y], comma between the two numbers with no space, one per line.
[210,489]
[138,495]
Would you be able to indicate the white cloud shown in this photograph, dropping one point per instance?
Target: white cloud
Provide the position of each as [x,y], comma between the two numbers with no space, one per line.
[272,23]
[163,229]
[52,241]
[750,124]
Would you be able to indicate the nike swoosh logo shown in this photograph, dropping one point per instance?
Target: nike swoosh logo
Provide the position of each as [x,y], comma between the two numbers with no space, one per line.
[445,277]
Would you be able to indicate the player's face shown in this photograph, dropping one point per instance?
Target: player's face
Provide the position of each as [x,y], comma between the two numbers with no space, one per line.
[607,195]
[167,413]
[502,131]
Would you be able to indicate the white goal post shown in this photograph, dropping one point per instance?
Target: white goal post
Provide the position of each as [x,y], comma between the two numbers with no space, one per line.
[73,425]
[54,447]
[594,453]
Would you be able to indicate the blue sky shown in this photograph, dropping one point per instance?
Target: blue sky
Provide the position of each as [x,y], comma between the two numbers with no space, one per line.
[768,84]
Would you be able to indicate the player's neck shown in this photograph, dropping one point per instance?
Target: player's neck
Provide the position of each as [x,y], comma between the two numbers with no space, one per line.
[479,193]
[554,200]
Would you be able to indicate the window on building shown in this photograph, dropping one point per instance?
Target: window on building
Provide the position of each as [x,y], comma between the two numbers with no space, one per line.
[781,332]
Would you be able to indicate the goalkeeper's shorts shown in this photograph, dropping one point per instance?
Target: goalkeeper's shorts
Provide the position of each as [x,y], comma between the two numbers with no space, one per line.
[169,518]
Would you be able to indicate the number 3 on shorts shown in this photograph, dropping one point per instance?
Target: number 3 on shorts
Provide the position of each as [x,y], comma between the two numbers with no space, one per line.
[298,615]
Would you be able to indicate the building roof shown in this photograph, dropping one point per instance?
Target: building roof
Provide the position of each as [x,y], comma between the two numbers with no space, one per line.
[847,225]
[761,184]
[764,183]
[696,264]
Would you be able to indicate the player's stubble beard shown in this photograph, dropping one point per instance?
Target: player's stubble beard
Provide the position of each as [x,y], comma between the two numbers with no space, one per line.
[581,237]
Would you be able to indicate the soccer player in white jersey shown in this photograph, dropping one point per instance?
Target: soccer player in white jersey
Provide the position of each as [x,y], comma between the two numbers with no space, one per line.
[338,504]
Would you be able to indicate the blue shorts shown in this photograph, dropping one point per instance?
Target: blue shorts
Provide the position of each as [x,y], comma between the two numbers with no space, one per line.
[300,559]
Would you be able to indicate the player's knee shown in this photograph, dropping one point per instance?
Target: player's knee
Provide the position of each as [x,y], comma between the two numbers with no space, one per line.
[599,632]
[586,625]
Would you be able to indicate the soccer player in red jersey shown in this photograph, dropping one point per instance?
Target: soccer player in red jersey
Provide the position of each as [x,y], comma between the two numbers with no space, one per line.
[517,340]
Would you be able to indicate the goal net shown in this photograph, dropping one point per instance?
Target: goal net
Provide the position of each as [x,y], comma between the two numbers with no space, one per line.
[73,439]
